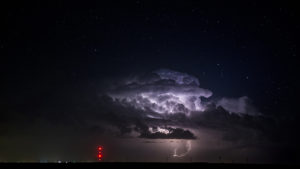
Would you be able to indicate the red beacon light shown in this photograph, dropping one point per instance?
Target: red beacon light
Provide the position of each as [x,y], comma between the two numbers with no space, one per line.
[100,153]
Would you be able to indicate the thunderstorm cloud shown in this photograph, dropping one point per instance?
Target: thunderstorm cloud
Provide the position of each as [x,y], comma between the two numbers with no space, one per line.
[171,101]
[164,92]
[160,105]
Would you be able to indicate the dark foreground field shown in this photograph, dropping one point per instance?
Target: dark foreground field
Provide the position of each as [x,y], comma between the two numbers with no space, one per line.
[142,165]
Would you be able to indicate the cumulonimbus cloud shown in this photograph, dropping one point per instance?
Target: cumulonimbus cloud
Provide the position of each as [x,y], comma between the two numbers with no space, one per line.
[164,92]
[167,103]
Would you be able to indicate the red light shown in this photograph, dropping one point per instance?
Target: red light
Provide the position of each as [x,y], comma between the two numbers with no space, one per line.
[100,153]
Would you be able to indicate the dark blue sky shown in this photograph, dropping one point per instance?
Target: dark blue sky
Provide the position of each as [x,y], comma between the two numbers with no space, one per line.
[235,49]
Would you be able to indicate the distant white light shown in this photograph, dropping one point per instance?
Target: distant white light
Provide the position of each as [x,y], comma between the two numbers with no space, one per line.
[161,130]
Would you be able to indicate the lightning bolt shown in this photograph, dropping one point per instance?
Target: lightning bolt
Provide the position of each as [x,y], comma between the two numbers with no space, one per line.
[188,146]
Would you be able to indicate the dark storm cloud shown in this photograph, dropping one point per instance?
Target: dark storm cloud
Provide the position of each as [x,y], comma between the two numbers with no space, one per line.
[235,127]
[240,105]
[168,98]
[128,120]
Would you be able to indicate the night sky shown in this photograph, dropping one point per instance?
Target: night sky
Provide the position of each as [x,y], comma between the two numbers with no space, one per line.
[79,75]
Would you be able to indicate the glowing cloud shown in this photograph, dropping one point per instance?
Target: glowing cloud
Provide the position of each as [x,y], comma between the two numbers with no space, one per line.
[166,92]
